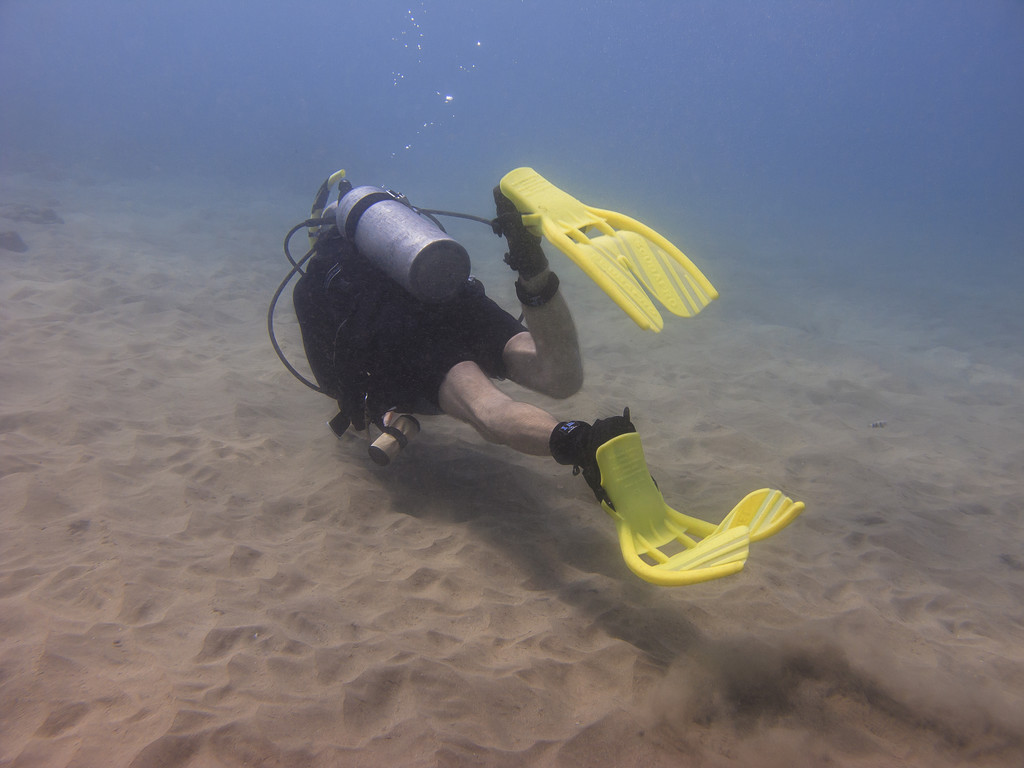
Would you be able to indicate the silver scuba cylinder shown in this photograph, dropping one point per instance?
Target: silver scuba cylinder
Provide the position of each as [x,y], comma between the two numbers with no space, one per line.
[410,249]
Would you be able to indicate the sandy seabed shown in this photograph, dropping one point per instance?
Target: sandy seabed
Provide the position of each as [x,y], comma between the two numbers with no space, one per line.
[195,572]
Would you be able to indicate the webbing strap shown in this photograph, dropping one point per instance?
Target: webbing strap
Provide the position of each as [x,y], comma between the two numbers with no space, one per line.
[357,211]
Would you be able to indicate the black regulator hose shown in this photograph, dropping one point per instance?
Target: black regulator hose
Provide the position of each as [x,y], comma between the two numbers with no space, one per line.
[296,269]
[431,212]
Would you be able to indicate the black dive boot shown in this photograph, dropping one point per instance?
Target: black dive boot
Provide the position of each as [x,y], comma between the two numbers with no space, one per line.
[576,443]
[524,255]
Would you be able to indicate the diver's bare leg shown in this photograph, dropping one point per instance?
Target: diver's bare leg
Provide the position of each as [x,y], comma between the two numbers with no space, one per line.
[547,359]
[467,394]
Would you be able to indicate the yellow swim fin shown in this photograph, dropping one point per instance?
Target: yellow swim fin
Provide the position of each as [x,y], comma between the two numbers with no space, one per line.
[764,513]
[666,547]
[627,259]
[649,530]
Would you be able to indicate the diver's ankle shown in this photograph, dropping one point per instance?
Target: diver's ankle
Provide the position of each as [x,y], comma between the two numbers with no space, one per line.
[537,290]
[568,442]
[535,283]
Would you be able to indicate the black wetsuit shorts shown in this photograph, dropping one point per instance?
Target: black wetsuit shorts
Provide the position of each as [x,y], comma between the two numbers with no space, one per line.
[374,347]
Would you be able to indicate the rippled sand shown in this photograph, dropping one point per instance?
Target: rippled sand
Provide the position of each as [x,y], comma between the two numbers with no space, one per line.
[195,572]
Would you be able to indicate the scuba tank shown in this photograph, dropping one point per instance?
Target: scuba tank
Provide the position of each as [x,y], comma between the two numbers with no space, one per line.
[411,250]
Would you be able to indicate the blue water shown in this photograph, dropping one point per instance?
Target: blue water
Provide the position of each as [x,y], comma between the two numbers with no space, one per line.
[854,170]
[878,138]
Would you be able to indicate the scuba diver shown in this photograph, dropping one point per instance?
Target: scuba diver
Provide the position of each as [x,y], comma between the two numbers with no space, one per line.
[393,325]
[381,350]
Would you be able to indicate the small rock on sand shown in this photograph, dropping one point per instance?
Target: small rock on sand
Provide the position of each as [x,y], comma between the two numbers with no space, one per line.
[11,241]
